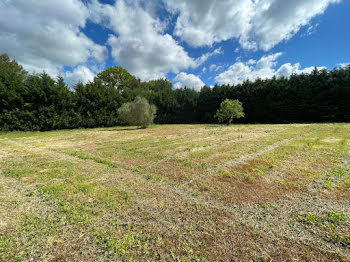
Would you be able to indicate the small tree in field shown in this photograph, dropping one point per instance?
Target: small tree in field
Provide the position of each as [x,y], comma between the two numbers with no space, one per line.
[229,109]
[137,113]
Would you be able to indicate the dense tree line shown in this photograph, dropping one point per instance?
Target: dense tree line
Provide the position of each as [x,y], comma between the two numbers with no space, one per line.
[38,102]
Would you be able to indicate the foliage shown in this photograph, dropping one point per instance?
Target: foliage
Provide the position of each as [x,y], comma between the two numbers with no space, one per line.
[137,113]
[229,109]
[39,102]
[116,77]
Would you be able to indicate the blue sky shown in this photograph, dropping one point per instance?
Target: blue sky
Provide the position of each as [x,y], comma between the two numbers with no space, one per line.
[191,42]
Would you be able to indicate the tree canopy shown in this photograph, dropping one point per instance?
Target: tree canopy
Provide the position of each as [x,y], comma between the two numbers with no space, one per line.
[116,77]
[39,102]
[229,109]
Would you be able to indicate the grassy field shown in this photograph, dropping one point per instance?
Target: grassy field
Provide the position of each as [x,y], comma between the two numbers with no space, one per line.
[177,193]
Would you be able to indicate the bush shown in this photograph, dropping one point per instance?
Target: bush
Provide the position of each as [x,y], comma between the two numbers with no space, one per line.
[137,113]
[229,109]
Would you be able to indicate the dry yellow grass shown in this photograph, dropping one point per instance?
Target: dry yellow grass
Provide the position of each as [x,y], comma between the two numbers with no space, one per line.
[177,193]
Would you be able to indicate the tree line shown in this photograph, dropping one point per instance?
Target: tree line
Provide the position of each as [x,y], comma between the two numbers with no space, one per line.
[39,102]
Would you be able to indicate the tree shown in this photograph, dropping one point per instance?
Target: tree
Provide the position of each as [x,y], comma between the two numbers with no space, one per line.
[162,95]
[137,113]
[229,109]
[12,76]
[39,102]
[97,104]
[116,77]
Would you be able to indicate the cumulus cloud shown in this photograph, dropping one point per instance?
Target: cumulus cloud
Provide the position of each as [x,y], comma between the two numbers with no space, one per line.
[204,22]
[263,68]
[79,74]
[140,43]
[256,24]
[188,80]
[279,20]
[45,35]
[288,69]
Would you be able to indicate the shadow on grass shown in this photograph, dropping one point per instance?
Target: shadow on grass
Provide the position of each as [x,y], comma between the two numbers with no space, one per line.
[123,129]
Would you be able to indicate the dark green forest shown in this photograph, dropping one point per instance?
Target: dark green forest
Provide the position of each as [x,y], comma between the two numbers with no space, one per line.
[39,102]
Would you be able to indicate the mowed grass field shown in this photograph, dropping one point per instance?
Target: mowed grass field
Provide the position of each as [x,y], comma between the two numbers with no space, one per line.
[177,193]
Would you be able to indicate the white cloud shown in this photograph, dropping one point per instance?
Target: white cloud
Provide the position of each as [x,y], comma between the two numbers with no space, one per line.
[81,73]
[251,62]
[263,68]
[343,65]
[288,69]
[141,45]
[256,24]
[199,61]
[204,22]
[45,35]
[214,68]
[278,20]
[188,80]
[311,29]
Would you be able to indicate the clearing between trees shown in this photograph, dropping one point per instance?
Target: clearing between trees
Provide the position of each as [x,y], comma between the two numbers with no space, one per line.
[177,193]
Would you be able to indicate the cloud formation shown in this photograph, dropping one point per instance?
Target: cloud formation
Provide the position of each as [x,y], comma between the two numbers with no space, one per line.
[45,35]
[140,43]
[214,68]
[48,35]
[256,24]
[79,74]
[278,20]
[188,80]
[343,65]
[263,68]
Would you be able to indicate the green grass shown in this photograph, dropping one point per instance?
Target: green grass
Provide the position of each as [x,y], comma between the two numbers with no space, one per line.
[332,226]
[174,193]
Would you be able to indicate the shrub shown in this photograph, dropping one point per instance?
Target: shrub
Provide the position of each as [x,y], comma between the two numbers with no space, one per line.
[137,113]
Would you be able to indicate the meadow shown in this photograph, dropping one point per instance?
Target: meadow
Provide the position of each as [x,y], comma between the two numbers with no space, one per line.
[177,193]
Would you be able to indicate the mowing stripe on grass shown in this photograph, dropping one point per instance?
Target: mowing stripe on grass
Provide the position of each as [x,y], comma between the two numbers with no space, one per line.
[246,158]
[99,160]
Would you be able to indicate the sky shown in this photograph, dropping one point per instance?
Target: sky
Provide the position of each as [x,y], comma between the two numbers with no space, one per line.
[190,42]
